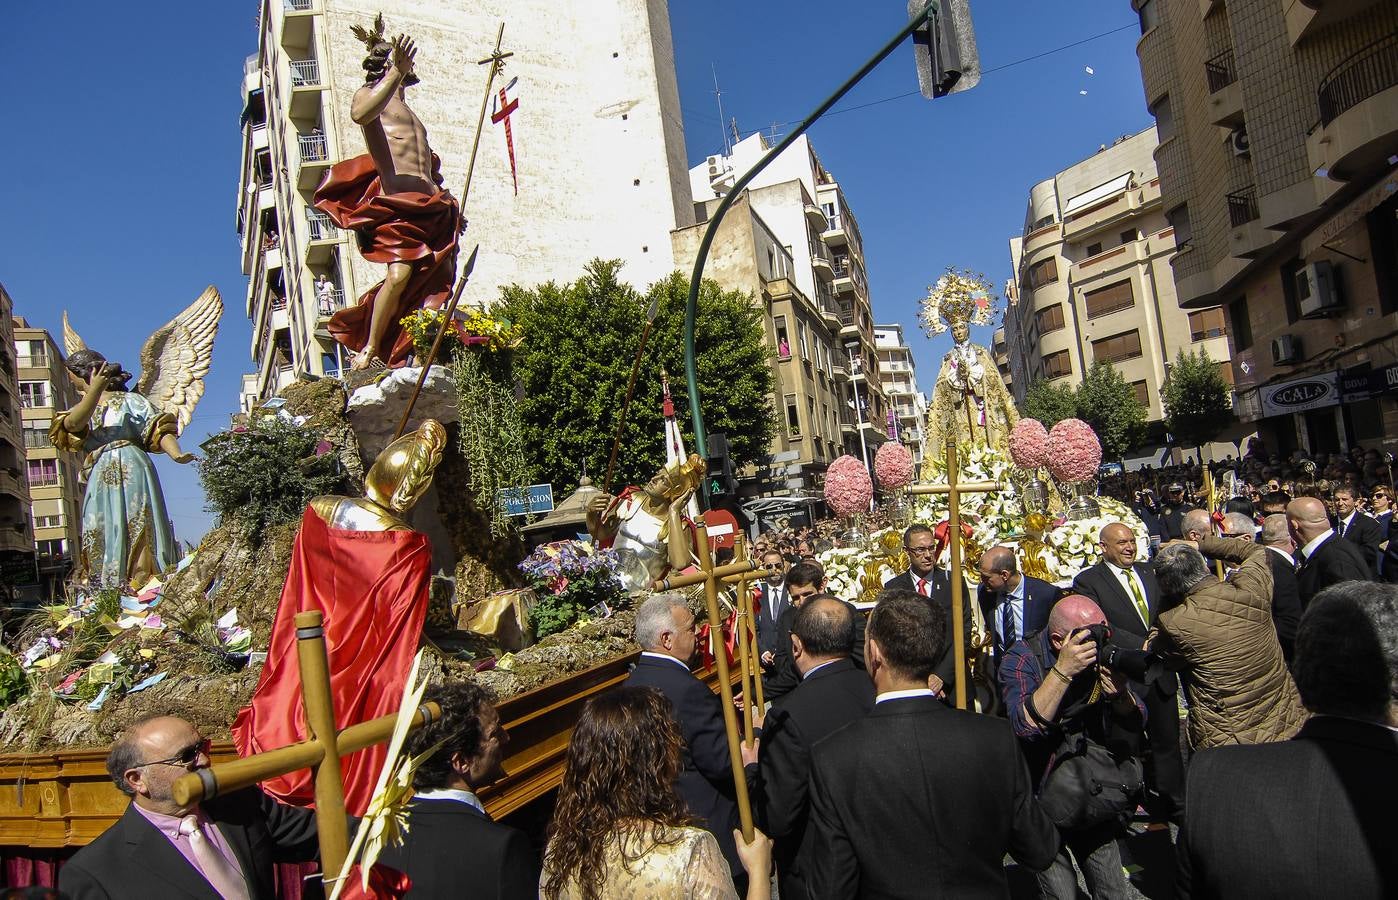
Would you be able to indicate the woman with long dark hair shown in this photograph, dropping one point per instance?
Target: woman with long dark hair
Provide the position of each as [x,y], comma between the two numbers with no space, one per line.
[620,828]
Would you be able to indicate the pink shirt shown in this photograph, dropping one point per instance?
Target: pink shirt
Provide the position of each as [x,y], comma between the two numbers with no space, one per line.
[170,827]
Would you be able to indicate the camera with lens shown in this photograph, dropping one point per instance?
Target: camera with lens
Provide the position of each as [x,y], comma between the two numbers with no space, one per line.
[1134,664]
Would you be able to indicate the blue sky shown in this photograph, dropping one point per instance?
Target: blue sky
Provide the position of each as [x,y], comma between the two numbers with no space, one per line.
[122,152]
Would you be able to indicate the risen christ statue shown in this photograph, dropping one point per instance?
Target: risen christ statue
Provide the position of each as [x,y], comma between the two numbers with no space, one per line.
[393,199]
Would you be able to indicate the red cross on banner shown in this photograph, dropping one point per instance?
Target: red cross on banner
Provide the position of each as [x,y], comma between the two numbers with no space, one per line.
[501,107]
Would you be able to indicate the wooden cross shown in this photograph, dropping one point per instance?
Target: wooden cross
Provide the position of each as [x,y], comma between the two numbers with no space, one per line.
[954,489]
[321,753]
[749,658]
[712,577]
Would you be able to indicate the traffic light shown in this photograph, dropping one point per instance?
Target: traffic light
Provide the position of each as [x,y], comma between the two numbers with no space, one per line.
[945,48]
[718,478]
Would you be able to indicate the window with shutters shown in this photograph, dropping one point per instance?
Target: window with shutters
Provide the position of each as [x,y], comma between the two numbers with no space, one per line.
[1050,318]
[793,416]
[1056,365]
[1207,323]
[1110,299]
[1043,272]
[1238,321]
[1142,392]
[1094,249]
[1118,347]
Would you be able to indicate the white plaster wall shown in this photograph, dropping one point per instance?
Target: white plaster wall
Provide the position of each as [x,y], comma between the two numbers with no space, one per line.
[598,138]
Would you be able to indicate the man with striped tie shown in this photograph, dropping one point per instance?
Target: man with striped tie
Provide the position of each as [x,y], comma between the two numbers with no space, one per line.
[1127,592]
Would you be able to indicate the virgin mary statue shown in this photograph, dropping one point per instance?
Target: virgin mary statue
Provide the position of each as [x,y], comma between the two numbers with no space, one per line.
[969,402]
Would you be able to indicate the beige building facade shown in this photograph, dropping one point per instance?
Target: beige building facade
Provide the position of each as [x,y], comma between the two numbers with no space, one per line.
[17,564]
[55,490]
[600,167]
[1092,282]
[1278,162]
[898,374]
[793,243]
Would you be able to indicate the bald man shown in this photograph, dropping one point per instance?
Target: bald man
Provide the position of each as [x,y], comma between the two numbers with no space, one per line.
[1196,525]
[1052,683]
[1129,595]
[1324,557]
[1013,603]
[1286,590]
[225,847]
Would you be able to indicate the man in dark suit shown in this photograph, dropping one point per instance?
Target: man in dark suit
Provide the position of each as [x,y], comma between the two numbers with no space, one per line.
[771,601]
[918,799]
[1286,590]
[666,631]
[1014,604]
[1355,526]
[1127,592]
[1381,504]
[1325,558]
[223,848]
[450,839]
[926,580]
[1307,817]
[833,692]
[804,581]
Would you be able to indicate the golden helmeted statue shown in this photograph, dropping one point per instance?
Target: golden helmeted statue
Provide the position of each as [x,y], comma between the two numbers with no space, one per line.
[646,525]
[969,401]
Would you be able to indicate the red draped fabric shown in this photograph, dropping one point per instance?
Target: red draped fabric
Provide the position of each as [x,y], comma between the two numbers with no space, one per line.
[410,227]
[372,587]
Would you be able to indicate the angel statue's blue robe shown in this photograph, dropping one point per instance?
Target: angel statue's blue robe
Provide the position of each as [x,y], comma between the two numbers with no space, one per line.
[126,533]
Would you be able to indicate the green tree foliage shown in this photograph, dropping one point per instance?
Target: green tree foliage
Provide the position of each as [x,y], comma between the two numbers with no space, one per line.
[1049,403]
[1108,403]
[1195,400]
[580,341]
[266,475]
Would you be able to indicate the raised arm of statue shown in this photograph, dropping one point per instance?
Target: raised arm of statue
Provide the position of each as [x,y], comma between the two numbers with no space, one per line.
[677,542]
[369,101]
[79,418]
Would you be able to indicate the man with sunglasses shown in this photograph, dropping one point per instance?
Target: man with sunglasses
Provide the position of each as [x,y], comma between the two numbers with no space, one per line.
[924,578]
[158,848]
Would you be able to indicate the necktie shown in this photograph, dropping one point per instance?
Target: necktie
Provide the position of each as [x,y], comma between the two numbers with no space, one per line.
[924,587]
[1007,623]
[222,874]
[1136,595]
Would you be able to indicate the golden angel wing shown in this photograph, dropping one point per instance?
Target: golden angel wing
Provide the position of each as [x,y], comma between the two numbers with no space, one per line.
[72,341]
[176,358]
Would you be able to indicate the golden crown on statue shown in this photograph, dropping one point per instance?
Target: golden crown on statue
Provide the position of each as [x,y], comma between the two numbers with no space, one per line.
[960,295]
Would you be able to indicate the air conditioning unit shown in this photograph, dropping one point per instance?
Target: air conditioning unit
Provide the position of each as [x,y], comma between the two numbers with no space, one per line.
[1286,350]
[716,167]
[1238,142]
[1318,290]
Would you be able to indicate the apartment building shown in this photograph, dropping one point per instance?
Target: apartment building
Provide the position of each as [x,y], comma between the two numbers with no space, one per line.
[18,575]
[597,128]
[1278,162]
[792,241]
[907,408]
[55,492]
[1092,282]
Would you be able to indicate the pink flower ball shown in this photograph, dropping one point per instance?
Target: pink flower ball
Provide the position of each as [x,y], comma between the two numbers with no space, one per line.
[893,466]
[848,487]
[1029,444]
[1074,451]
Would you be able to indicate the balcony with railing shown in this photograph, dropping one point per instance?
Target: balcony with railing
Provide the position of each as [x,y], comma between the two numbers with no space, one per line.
[1242,206]
[320,225]
[313,147]
[305,73]
[329,302]
[306,84]
[820,260]
[298,5]
[1358,105]
[1220,71]
[32,361]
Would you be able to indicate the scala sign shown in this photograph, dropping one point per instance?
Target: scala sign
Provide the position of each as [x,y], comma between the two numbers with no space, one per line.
[1315,392]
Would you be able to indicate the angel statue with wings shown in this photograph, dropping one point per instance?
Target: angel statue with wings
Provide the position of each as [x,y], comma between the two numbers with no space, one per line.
[126,533]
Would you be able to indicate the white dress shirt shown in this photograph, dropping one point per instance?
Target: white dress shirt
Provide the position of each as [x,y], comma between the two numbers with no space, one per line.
[899,695]
[457,794]
[1315,542]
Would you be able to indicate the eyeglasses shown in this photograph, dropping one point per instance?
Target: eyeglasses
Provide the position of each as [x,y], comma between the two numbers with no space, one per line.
[186,757]
[920,551]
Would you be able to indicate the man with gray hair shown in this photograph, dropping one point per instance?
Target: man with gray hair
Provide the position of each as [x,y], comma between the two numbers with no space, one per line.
[1196,524]
[1239,525]
[1286,591]
[1221,634]
[667,631]
[1262,818]
[158,848]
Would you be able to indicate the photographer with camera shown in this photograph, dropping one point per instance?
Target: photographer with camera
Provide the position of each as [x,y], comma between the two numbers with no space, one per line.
[1220,635]
[1082,730]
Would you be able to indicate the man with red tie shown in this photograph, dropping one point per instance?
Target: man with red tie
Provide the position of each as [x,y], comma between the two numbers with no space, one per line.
[924,578]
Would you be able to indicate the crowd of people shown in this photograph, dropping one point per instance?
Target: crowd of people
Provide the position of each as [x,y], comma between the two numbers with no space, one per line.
[1269,633]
